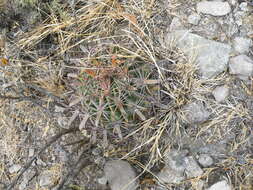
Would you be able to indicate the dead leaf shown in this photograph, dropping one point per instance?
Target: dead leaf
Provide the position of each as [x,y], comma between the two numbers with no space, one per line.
[4,61]
[90,72]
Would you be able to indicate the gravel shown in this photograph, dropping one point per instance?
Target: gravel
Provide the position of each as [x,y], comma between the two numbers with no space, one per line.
[215,8]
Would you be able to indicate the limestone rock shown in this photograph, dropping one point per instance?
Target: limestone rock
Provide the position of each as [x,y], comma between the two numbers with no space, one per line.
[46,179]
[176,165]
[205,160]
[215,8]
[120,175]
[211,57]
[221,185]
[196,113]
[220,93]
[194,19]
[242,45]
[242,66]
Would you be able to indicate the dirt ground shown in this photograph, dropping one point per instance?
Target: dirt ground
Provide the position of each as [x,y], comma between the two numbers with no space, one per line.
[83,82]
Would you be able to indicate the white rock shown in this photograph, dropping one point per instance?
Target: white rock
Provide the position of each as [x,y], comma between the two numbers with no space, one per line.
[31,152]
[176,165]
[242,66]
[120,175]
[102,180]
[211,57]
[192,168]
[215,8]
[46,179]
[196,113]
[221,185]
[205,160]
[220,93]
[242,45]
[14,168]
[176,24]
[169,175]
[194,19]
[244,6]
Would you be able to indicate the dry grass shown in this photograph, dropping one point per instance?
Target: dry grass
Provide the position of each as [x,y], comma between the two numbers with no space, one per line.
[104,61]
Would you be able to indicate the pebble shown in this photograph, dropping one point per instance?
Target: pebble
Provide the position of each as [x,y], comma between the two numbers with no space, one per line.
[242,66]
[198,184]
[196,113]
[205,160]
[192,169]
[31,152]
[169,175]
[102,180]
[194,19]
[120,175]
[14,168]
[215,8]
[244,6]
[46,180]
[221,185]
[176,24]
[242,45]
[220,93]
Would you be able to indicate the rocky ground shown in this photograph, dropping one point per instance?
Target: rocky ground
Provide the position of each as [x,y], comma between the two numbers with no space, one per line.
[168,104]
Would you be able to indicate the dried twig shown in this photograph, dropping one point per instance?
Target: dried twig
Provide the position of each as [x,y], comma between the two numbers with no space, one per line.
[77,167]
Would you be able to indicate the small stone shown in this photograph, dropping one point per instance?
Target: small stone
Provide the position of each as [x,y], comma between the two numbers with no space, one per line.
[196,113]
[221,185]
[168,175]
[205,160]
[102,180]
[96,151]
[14,168]
[220,93]
[175,159]
[198,184]
[244,6]
[120,175]
[31,152]
[242,66]
[194,19]
[192,168]
[242,45]
[46,179]
[176,24]
[59,109]
[215,8]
